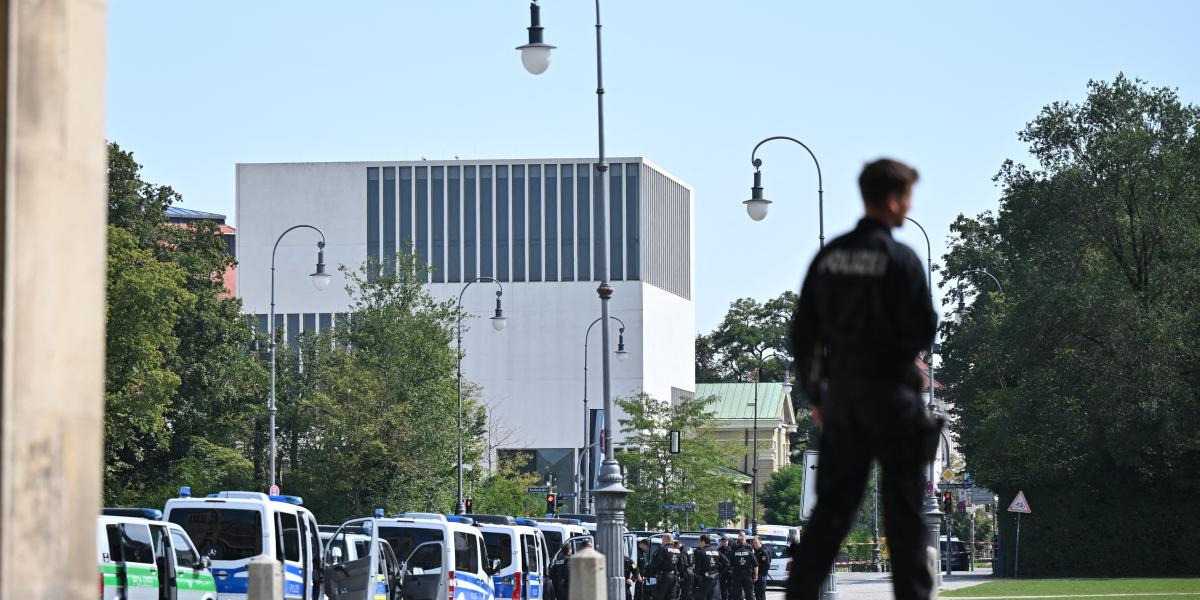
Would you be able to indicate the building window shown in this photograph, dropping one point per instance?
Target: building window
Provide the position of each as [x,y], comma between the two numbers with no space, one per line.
[325,322]
[372,221]
[389,218]
[597,226]
[583,207]
[551,222]
[502,225]
[518,223]
[406,210]
[486,231]
[437,202]
[567,260]
[422,248]
[470,210]
[293,331]
[454,235]
[616,223]
[632,214]
[535,222]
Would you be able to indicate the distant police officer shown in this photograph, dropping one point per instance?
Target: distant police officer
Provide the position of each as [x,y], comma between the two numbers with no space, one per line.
[560,573]
[727,571]
[687,581]
[763,559]
[665,568]
[631,577]
[863,315]
[710,564]
[643,567]
[745,569]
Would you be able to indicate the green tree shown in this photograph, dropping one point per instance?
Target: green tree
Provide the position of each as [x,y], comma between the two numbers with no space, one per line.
[781,496]
[1078,384]
[749,331]
[506,491]
[697,474]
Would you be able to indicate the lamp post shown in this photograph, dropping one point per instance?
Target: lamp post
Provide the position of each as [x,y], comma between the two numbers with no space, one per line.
[933,516]
[787,385]
[610,495]
[757,206]
[498,323]
[582,504]
[320,280]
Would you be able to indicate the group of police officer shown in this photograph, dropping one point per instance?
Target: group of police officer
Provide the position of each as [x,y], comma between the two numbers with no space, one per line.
[713,571]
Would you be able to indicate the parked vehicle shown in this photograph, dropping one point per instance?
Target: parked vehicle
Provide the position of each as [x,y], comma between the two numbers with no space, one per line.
[143,559]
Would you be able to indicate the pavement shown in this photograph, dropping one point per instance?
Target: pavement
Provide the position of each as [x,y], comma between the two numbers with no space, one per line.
[878,586]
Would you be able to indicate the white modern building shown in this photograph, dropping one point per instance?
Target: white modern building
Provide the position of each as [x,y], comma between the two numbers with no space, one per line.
[536,226]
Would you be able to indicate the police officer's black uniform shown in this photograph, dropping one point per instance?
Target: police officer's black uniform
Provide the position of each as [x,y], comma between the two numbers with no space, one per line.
[645,591]
[726,551]
[744,566]
[631,576]
[665,568]
[560,574]
[710,564]
[863,315]
[763,558]
[687,580]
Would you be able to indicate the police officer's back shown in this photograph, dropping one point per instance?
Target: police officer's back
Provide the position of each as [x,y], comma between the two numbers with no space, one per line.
[644,589]
[863,315]
[762,559]
[560,573]
[686,579]
[665,568]
[726,550]
[745,570]
[710,564]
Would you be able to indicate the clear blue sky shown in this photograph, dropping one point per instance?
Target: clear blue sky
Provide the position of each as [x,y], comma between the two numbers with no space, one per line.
[195,87]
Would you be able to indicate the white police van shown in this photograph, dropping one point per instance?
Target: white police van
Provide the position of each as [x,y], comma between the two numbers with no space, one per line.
[359,564]
[144,559]
[557,531]
[230,528]
[521,549]
[442,558]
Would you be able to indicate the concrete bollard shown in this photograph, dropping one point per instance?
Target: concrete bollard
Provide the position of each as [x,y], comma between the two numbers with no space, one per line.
[933,558]
[588,576]
[266,579]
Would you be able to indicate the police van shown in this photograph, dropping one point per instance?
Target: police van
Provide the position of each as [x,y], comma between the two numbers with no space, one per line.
[141,559]
[442,558]
[359,564]
[521,551]
[557,531]
[230,528]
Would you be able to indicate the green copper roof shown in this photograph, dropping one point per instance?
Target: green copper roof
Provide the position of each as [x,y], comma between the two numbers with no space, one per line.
[736,400]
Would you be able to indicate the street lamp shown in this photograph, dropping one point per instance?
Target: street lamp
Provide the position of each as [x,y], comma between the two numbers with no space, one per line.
[622,354]
[787,387]
[610,495]
[320,280]
[757,206]
[933,516]
[499,321]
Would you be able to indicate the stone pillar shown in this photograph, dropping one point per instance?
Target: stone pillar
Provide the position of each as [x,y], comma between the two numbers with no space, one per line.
[588,576]
[52,244]
[266,579]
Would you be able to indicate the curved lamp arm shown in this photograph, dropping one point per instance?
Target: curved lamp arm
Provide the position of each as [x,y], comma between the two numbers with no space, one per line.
[757,163]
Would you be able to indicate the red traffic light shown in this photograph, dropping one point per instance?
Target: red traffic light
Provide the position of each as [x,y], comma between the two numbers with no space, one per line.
[550,498]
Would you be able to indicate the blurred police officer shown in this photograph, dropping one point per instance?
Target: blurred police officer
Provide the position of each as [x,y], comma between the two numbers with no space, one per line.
[687,582]
[727,572]
[710,564]
[745,569]
[863,315]
[763,560]
[643,567]
[560,573]
[665,568]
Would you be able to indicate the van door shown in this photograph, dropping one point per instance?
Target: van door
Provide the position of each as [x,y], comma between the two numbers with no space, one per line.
[424,573]
[141,573]
[531,561]
[164,561]
[353,579]
[192,580]
[313,565]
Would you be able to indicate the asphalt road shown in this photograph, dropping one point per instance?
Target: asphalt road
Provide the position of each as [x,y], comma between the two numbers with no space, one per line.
[878,586]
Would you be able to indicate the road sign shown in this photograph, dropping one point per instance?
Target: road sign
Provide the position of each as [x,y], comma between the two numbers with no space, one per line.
[539,490]
[726,510]
[947,475]
[1020,504]
[962,506]
[982,496]
[688,507]
[955,486]
[808,499]
[566,494]
[928,487]
[273,491]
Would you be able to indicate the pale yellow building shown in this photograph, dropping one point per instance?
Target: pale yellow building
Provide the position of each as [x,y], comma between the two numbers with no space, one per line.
[734,407]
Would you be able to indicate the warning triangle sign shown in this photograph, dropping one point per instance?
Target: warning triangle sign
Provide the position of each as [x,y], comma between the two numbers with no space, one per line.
[1020,504]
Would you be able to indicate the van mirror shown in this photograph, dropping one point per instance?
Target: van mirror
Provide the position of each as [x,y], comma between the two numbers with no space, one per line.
[205,562]
[418,571]
[336,554]
[495,565]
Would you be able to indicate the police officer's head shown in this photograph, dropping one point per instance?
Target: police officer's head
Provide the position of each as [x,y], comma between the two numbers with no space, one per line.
[757,542]
[666,540]
[724,542]
[704,539]
[886,187]
[585,544]
[741,537]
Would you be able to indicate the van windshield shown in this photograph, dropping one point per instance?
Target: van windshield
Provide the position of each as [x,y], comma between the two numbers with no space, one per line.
[499,546]
[405,539]
[222,533]
[553,541]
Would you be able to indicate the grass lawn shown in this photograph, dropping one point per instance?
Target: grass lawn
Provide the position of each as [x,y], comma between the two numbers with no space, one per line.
[1138,589]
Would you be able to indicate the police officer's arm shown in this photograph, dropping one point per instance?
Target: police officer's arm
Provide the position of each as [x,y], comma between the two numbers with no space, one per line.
[916,319]
[802,335]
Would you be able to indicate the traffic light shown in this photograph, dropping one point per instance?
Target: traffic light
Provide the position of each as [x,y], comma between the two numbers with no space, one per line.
[470,504]
[550,504]
[947,502]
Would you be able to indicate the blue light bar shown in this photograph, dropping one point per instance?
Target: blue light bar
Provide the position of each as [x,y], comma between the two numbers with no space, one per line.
[526,522]
[458,519]
[379,513]
[185,491]
[296,500]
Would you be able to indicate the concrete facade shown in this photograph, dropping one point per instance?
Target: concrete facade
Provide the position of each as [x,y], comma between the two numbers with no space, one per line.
[536,232]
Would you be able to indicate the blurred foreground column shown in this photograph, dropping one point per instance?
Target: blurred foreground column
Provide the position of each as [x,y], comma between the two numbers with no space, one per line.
[52,268]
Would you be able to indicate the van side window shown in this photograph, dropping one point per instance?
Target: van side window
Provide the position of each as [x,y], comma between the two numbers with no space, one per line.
[466,552]
[529,554]
[184,556]
[427,557]
[499,546]
[114,542]
[135,543]
[289,532]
